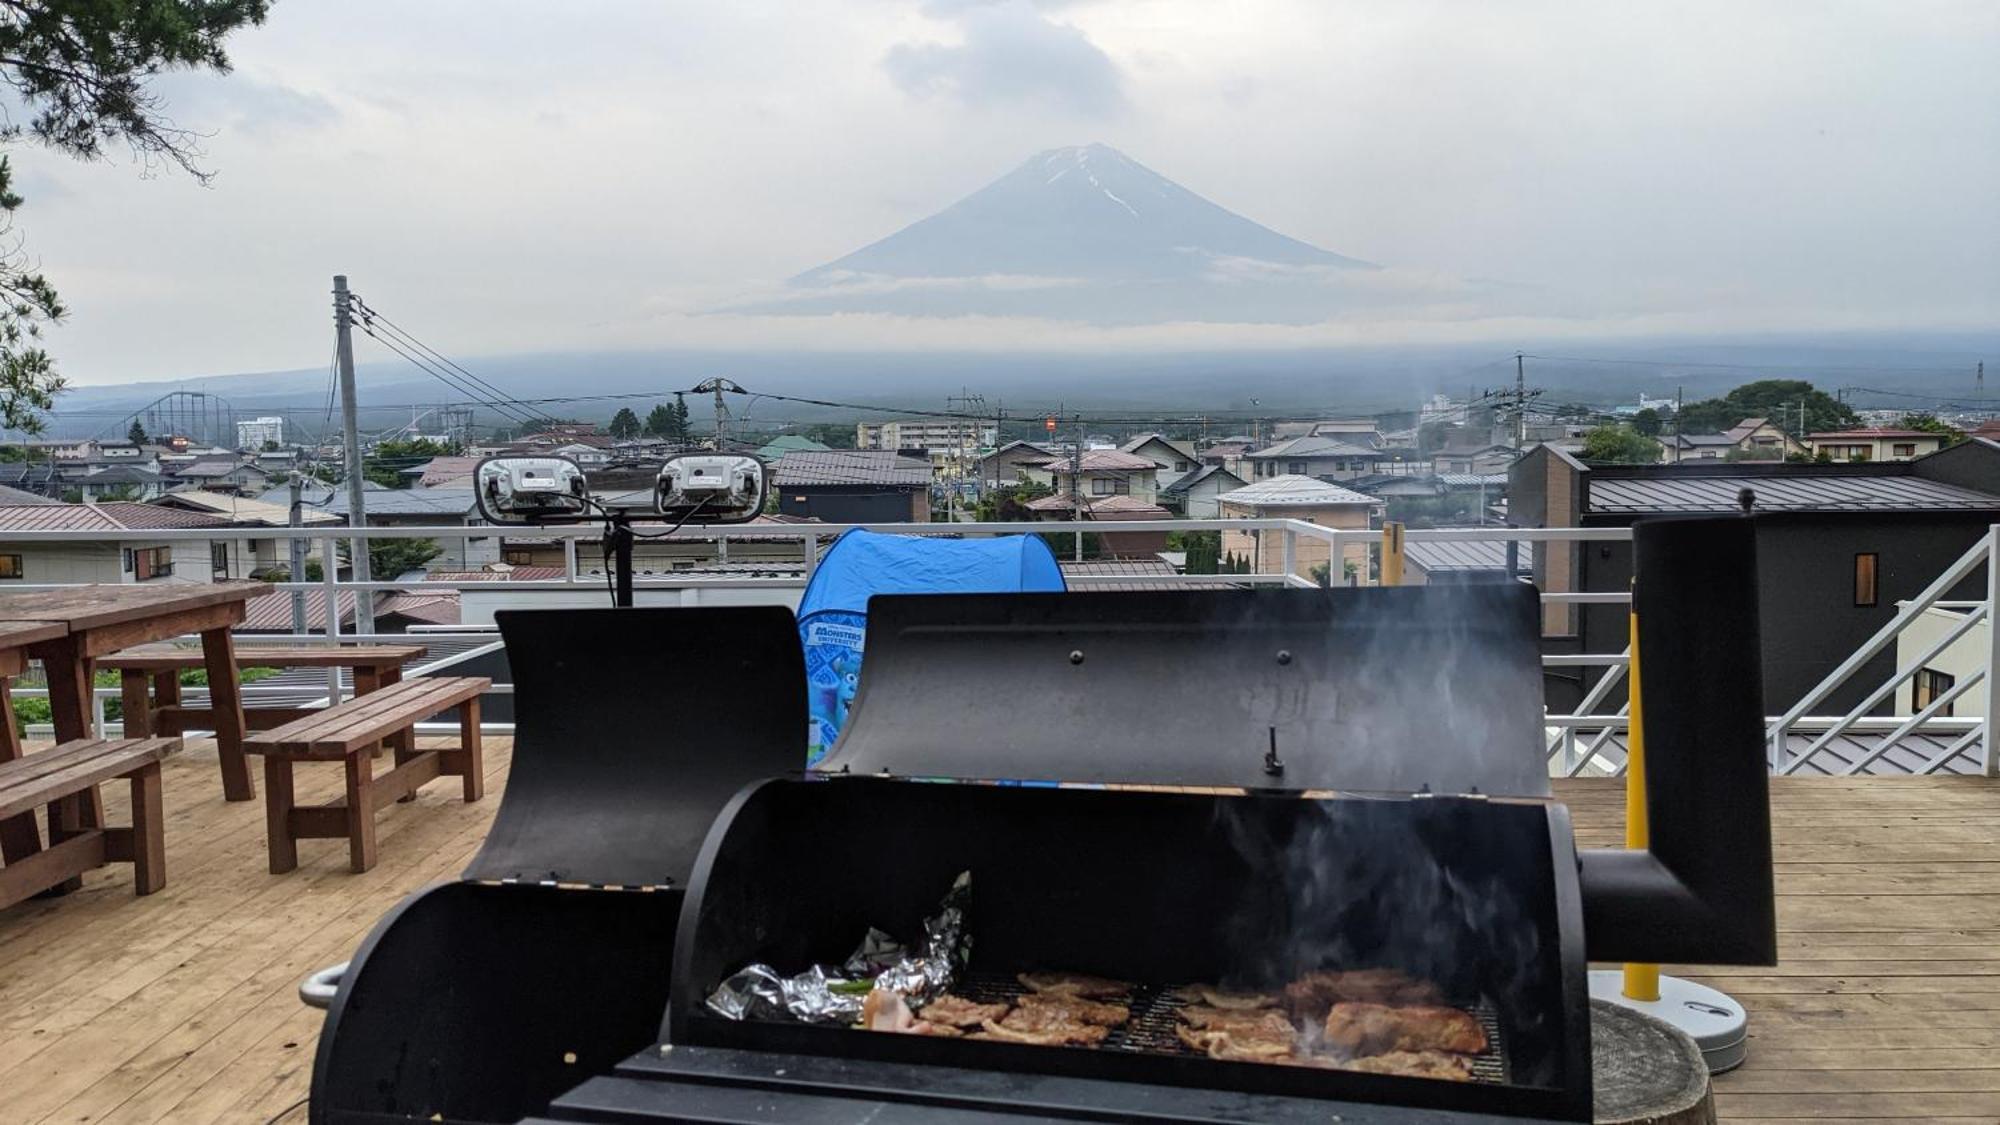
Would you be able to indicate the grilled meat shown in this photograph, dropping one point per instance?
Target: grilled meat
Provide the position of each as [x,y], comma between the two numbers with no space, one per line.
[1080,984]
[1440,1065]
[1077,1008]
[1376,1029]
[1204,1018]
[1311,995]
[1046,1027]
[1220,998]
[957,1011]
[885,1011]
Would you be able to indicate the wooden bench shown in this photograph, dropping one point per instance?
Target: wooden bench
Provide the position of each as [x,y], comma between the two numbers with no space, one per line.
[375,666]
[347,733]
[65,779]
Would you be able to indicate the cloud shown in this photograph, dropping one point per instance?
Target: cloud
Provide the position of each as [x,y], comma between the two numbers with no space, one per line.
[242,104]
[1010,52]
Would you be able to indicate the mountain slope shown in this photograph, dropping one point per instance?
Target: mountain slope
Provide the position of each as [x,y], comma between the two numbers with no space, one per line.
[1082,234]
[1086,212]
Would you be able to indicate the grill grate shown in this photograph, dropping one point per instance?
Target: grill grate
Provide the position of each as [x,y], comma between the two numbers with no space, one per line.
[1151,1030]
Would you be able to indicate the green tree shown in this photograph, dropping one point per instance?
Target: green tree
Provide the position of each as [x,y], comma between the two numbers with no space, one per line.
[1204,551]
[385,463]
[388,558]
[833,435]
[624,424]
[1647,422]
[1932,424]
[682,432]
[660,423]
[1776,399]
[137,434]
[82,70]
[1621,445]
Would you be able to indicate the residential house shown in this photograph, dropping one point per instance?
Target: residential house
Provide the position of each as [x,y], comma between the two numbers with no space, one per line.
[1329,458]
[1002,467]
[116,482]
[853,486]
[1098,472]
[1432,563]
[1837,545]
[1298,498]
[1752,439]
[37,477]
[1228,453]
[1875,444]
[249,558]
[230,474]
[587,454]
[442,472]
[1175,459]
[1949,677]
[124,553]
[1196,494]
[789,443]
[423,507]
[1112,544]
[1475,456]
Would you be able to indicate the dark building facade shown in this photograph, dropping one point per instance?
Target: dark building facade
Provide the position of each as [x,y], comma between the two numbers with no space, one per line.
[1837,547]
[853,486]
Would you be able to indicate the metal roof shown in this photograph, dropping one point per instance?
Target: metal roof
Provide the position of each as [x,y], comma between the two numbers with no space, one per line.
[14,497]
[1294,489]
[1434,556]
[240,509]
[111,515]
[1313,446]
[1100,461]
[1185,483]
[851,466]
[457,502]
[1803,492]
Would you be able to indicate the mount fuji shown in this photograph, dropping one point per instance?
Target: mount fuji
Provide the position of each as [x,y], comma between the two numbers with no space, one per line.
[1083,233]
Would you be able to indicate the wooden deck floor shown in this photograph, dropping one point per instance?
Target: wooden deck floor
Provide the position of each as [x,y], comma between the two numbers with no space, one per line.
[181,1006]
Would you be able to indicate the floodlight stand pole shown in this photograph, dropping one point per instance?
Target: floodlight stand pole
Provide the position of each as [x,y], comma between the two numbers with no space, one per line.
[350,435]
[620,530]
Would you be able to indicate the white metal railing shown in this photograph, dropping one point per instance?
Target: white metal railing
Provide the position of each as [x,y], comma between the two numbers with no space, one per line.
[1585,740]
[1930,719]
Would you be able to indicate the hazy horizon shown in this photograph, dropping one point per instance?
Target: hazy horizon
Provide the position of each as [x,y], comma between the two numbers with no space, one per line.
[508,179]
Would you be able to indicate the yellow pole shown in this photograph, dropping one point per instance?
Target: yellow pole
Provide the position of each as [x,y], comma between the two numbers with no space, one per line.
[1642,982]
[1392,554]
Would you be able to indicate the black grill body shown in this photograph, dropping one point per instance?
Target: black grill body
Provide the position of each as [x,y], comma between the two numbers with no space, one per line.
[1160,889]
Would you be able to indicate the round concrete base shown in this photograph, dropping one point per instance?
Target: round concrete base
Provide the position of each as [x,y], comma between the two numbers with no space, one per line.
[1717,1023]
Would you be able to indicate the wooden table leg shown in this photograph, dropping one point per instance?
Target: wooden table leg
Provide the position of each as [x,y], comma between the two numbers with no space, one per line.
[166,688]
[138,709]
[69,678]
[360,811]
[149,845]
[365,681]
[475,758]
[19,837]
[225,702]
[278,814]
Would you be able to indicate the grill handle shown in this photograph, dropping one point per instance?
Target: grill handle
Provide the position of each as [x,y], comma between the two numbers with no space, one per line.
[318,989]
[1701,893]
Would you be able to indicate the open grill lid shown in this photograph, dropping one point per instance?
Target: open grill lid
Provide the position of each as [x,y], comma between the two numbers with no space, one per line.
[1387,690]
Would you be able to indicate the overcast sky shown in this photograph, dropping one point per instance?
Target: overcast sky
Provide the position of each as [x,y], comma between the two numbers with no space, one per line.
[506,176]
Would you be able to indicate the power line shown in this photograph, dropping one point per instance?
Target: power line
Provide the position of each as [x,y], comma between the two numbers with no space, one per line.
[370,314]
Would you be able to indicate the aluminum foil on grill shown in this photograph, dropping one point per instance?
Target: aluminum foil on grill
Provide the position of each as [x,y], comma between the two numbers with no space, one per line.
[827,994]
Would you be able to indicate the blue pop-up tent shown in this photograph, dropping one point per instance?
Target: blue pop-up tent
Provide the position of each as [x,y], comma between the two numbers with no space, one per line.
[833,613]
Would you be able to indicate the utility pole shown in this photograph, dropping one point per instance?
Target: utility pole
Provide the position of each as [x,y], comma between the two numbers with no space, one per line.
[357,516]
[718,386]
[1076,486]
[295,548]
[1520,402]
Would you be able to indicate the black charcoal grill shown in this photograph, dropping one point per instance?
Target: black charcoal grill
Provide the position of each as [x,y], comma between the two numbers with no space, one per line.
[1284,781]
[1167,787]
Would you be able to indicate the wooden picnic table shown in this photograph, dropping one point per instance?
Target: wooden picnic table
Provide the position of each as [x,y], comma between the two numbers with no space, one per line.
[19,838]
[373,666]
[96,620]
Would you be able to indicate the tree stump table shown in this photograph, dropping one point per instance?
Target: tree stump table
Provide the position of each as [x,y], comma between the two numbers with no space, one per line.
[1646,1071]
